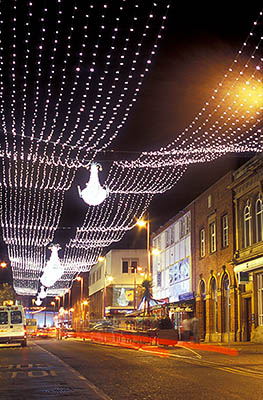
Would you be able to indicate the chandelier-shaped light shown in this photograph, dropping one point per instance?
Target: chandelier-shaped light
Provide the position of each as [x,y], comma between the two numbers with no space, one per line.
[93,194]
[42,294]
[38,302]
[53,270]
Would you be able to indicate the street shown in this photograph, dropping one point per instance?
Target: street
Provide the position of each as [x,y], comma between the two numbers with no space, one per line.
[80,369]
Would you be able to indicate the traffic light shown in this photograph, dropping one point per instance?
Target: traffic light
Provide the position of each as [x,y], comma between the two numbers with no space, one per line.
[3,264]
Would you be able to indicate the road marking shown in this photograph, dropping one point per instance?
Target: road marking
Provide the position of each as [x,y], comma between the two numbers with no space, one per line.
[98,391]
[218,366]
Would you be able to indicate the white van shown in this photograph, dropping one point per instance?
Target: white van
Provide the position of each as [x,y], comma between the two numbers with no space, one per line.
[13,325]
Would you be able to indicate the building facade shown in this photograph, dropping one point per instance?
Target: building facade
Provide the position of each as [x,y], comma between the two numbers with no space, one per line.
[215,285]
[114,283]
[248,258]
[172,267]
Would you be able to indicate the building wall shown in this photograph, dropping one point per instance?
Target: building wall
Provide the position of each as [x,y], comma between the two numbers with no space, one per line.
[172,272]
[214,267]
[110,287]
[248,258]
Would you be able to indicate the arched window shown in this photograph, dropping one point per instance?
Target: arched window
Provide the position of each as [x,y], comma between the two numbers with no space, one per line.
[225,303]
[203,310]
[259,220]
[247,226]
[214,304]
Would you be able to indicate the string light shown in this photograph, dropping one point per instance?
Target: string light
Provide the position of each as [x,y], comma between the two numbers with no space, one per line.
[72,85]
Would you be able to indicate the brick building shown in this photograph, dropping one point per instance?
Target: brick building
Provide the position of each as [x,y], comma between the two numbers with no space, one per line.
[215,285]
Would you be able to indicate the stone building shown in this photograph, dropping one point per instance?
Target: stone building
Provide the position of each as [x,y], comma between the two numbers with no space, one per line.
[247,187]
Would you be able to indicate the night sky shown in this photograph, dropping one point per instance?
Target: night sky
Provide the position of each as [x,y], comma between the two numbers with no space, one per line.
[199,44]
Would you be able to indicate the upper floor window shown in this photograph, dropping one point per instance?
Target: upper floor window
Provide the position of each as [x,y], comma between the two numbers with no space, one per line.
[247,226]
[125,267]
[225,231]
[202,243]
[209,201]
[212,230]
[259,220]
[172,234]
[187,224]
[182,227]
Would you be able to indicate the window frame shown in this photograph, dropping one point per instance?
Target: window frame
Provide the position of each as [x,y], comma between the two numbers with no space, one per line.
[247,220]
[122,266]
[212,236]
[202,242]
[259,217]
[225,231]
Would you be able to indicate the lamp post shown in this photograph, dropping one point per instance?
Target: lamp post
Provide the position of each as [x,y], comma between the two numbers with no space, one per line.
[80,279]
[146,224]
[58,300]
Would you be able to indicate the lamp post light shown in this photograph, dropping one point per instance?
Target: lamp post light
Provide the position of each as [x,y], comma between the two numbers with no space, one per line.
[3,265]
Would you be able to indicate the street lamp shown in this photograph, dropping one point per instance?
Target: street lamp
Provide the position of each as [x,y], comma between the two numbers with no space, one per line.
[80,279]
[58,299]
[135,269]
[3,265]
[146,224]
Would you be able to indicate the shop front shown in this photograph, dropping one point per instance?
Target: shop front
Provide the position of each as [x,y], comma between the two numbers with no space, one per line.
[250,300]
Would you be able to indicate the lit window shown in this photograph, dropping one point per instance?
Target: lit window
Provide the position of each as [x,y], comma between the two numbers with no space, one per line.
[212,229]
[225,231]
[202,242]
[259,220]
[247,226]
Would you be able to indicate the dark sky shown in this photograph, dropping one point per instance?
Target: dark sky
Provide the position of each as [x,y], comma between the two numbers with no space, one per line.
[199,44]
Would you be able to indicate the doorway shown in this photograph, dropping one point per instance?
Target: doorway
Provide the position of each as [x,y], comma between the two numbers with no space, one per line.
[248,319]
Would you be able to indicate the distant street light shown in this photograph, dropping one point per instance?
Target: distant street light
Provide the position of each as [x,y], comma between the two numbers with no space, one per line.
[3,264]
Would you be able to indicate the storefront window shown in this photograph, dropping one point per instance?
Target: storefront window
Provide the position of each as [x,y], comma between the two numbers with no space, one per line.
[260,298]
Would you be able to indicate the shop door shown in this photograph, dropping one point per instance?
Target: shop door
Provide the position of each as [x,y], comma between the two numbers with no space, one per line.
[248,317]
